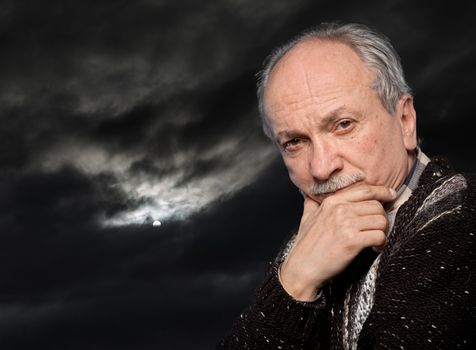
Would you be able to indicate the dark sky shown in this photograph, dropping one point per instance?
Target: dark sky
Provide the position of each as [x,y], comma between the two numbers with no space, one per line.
[116,114]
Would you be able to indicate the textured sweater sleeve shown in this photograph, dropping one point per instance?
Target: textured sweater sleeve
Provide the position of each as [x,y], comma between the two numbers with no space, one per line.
[426,297]
[276,321]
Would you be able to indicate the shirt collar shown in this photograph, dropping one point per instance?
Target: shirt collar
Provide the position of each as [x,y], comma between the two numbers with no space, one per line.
[411,181]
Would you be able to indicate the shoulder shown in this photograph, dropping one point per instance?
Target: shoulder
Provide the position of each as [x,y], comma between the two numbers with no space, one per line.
[442,194]
[439,215]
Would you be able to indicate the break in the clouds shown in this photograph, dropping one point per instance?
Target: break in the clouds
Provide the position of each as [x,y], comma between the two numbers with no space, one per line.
[167,174]
[80,93]
[235,163]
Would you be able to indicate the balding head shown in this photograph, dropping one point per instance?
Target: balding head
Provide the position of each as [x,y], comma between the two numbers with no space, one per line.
[312,73]
[374,49]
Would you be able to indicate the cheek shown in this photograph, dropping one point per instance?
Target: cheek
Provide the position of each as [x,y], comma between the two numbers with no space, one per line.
[365,153]
[373,140]
[297,172]
[363,147]
[367,143]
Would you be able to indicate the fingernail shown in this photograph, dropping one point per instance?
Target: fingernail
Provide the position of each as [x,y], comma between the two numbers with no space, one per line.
[393,192]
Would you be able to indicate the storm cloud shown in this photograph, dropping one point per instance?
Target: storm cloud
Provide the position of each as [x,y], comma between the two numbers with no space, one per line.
[115,114]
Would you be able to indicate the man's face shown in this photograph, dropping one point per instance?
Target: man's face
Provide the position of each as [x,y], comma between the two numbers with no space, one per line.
[330,124]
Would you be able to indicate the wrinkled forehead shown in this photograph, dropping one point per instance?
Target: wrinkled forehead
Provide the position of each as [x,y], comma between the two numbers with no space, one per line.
[315,68]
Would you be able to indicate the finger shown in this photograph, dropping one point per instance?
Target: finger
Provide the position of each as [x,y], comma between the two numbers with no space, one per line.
[372,238]
[372,222]
[309,208]
[368,192]
[371,207]
[378,249]
[310,205]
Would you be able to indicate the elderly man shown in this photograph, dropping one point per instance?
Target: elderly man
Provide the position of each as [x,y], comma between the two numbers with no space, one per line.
[383,256]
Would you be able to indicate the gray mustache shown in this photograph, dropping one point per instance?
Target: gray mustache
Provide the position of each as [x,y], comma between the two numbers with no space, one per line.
[335,182]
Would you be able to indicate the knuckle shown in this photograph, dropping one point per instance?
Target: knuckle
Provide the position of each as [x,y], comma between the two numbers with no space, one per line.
[377,205]
[381,237]
[350,238]
[381,221]
[348,222]
[329,202]
[340,209]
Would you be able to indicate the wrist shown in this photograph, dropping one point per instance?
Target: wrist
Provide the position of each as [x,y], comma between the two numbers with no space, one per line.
[303,294]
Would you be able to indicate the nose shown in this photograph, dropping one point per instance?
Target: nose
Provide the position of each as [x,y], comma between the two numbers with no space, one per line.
[324,160]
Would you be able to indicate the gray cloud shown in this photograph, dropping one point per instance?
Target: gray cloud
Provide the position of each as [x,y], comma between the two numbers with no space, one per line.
[106,109]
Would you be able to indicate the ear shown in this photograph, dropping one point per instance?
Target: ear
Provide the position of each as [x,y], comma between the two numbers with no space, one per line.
[407,117]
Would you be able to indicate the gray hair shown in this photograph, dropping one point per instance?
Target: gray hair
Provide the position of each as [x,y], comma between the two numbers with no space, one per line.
[373,48]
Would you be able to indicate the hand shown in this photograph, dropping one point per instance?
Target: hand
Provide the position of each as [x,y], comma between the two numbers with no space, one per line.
[331,235]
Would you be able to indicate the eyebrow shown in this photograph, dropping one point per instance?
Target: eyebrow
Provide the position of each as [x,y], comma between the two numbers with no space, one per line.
[328,119]
[287,135]
[335,114]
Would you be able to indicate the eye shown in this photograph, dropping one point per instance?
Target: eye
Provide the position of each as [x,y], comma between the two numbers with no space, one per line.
[291,145]
[344,125]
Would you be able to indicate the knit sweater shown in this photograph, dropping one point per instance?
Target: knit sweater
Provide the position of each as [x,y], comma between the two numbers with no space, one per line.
[424,295]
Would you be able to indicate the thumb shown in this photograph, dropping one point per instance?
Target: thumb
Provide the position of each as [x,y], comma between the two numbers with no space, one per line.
[310,206]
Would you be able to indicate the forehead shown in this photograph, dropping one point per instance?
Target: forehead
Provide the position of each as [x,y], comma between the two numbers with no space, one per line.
[315,69]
